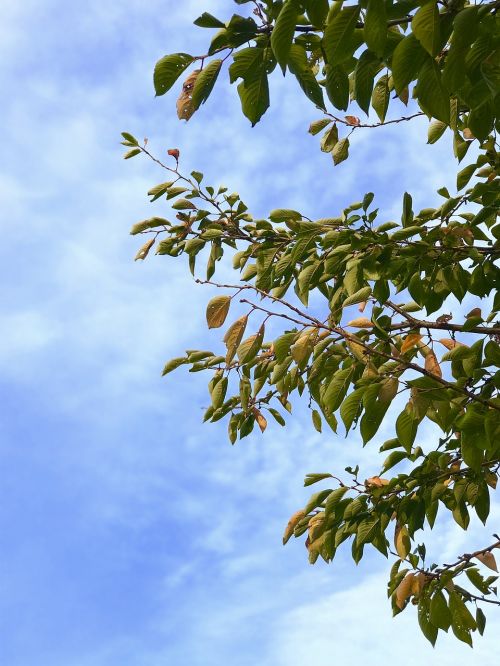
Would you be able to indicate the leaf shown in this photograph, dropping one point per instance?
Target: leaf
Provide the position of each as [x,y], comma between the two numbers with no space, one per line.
[361,295]
[334,498]
[254,96]
[364,75]
[340,151]
[360,322]
[300,67]
[132,153]
[404,590]
[283,31]
[432,96]
[168,69]
[375,30]
[411,340]
[449,343]
[402,541]
[380,97]
[488,559]
[425,27]
[350,408]
[234,336]
[205,82]
[440,615]
[173,364]
[432,365]
[261,420]
[317,125]
[217,310]
[407,59]
[337,86]
[292,524]
[144,250]
[284,214]
[435,131]
[337,38]
[206,20]
[316,419]
[249,347]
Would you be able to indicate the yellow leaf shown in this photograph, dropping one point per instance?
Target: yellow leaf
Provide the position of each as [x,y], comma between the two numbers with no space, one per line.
[376,482]
[315,526]
[217,310]
[144,251]
[449,343]
[432,365]
[404,590]
[261,421]
[234,336]
[402,541]
[292,524]
[360,322]
[418,583]
[488,559]
[357,349]
[410,341]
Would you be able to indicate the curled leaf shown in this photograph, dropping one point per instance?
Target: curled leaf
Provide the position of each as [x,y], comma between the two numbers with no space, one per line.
[292,524]
[432,365]
[488,559]
[360,322]
[404,590]
[144,251]
[410,341]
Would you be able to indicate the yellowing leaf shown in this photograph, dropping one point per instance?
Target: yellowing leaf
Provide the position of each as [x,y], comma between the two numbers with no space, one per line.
[410,341]
[376,482]
[402,541]
[352,120]
[404,590]
[144,251]
[432,365]
[292,524]
[217,310]
[449,343]
[475,312]
[261,421]
[488,559]
[185,107]
[234,336]
[360,322]
[315,526]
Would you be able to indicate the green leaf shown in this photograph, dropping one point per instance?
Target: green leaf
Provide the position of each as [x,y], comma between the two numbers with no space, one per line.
[338,36]
[350,408]
[428,629]
[440,615]
[406,429]
[340,151]
[206,20]
[173,364]
[317,11]
[284,214]
[425,27]
[334,498]
[254,96]
[205,82]
[168,69]
[337,87]
[317,125]
[380,97]
[432,96]
[407,59]
[316,419]
[132,153]
[364,76]
[299,66]
[361,295]
[465,175]
[283,31]
[375,30]
[435,131]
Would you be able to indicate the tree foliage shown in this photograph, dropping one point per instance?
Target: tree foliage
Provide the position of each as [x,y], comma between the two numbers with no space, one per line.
[379,333]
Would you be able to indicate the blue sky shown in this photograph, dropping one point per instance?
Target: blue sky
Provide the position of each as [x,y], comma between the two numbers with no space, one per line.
[131,533]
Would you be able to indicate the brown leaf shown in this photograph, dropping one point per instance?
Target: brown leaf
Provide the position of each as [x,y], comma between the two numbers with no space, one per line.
[491,479]
[468,136]
[259,417]
[185,108]
[353,120]
[292,524]
[488,559]
[144,251]
[432,365]
[360,322]
[362,306]
[217,310]
[404,590]
[174,152]
[476,312]
[410,341]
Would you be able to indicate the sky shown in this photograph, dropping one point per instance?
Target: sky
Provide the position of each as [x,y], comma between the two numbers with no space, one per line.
[130,532]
